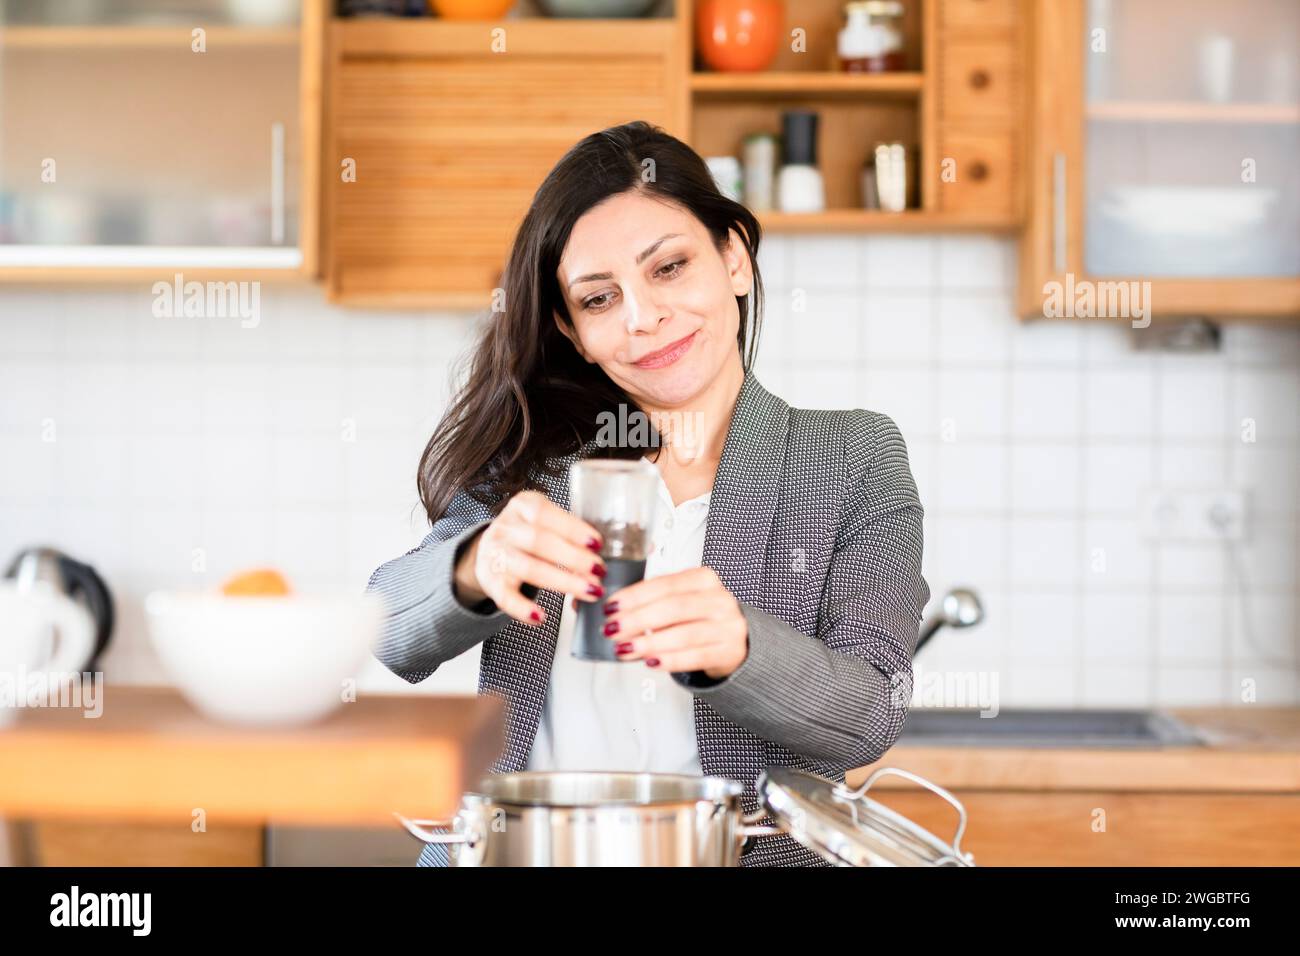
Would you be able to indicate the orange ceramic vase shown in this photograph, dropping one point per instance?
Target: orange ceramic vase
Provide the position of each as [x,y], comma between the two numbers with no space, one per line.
[736,36]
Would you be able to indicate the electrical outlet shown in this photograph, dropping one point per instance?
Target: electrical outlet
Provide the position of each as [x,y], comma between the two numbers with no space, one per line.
[1170,514]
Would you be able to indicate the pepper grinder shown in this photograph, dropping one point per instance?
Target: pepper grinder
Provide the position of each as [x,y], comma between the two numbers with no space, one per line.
[799,184]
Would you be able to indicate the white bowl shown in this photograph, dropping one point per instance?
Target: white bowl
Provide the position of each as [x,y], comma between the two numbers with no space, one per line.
[272,661]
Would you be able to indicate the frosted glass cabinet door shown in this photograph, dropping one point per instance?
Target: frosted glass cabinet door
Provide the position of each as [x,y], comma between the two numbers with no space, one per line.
[130,127]
[1192,138]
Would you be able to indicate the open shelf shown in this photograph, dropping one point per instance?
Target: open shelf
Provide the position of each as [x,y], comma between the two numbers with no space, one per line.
[856,112]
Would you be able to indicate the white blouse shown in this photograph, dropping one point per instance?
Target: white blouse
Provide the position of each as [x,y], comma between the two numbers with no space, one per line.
[624,715]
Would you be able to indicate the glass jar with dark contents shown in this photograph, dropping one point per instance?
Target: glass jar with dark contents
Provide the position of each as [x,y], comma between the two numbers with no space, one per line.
[618,498]
[871,40]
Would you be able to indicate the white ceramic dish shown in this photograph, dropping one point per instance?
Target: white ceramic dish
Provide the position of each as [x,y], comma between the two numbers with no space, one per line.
[1189,211]
[272,661]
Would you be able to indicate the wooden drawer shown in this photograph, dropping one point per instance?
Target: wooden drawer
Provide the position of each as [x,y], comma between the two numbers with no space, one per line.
[978,81]
[986,167]
[979,14]
[133,843]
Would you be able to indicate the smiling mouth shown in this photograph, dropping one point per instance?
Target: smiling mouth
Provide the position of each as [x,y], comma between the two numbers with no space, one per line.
[667,355]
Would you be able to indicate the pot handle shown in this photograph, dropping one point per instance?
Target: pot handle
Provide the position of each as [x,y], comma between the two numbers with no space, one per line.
[417,829]
[747,828]
[843,791]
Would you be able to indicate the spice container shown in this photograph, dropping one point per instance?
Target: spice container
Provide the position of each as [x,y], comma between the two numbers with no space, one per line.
[888,178]
[760,171]
[726,174]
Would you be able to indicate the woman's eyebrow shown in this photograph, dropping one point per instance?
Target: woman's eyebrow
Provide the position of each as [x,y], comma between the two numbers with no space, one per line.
[645,254]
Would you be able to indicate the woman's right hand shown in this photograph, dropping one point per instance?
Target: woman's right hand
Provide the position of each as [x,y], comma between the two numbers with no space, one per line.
[532,541]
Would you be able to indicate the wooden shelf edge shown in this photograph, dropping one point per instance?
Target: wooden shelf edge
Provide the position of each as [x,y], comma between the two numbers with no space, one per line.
[812,82]
[1193,112]
[111,276]
[527,35]
[1173,299]
[411,299]
[112,36]
[870,220]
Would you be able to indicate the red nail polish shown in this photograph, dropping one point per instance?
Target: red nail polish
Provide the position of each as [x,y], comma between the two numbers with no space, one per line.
[595,590]
[611,628]
[624,648]
[536,615]
[594,544]
[611,607]
[598,569]
[652,662]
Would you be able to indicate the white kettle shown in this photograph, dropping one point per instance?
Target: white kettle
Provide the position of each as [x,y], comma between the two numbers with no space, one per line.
[56,616]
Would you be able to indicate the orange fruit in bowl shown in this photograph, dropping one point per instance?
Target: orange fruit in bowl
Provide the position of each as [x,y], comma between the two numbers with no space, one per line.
[471,9]
[262,582]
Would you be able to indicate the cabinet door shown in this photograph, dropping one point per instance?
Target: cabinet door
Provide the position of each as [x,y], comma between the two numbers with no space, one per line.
[1163,145]
[438,140]
[142,134]
[1192,138]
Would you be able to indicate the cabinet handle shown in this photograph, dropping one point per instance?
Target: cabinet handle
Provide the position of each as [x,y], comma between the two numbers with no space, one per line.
[979,79]
[277,184]
[979,170]
[1058,212]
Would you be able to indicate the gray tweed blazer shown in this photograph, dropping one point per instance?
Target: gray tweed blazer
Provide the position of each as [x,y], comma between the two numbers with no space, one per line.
[814,525]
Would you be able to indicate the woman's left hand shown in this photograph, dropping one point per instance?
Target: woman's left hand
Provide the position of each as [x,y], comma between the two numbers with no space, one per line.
[686,621]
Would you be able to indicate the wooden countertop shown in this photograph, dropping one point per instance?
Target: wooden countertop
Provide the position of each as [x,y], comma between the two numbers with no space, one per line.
[151,756]
[1248,750]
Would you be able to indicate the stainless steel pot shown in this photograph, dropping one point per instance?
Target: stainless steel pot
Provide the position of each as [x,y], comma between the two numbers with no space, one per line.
[548,818]
[584,818]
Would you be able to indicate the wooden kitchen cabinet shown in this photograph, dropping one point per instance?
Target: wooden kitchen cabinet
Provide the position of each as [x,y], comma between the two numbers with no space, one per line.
[1102,828]
[440,132]
[1232,800]
[1162,149]
[436,142]
[144,137]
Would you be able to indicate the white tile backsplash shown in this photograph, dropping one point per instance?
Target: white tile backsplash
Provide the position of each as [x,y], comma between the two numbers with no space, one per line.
[899,327]
[900,262]
[1116,685]
[185,449]
[1045,403]
[972,404]
[1118,403]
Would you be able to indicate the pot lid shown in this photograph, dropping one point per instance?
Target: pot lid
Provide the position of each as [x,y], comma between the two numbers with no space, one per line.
[848,828]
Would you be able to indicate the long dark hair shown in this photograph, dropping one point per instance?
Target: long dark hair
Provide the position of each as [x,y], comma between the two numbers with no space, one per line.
[529,395]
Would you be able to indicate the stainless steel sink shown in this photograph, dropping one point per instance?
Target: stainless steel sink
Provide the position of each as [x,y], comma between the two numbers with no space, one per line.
[952,727]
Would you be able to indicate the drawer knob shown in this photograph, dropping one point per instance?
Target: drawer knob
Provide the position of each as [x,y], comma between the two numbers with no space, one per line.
[979,79]
[979,170]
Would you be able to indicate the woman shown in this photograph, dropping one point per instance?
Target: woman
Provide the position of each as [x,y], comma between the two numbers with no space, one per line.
[778,616]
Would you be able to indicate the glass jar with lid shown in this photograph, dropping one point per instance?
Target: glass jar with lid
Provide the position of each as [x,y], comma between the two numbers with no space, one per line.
[871,40]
